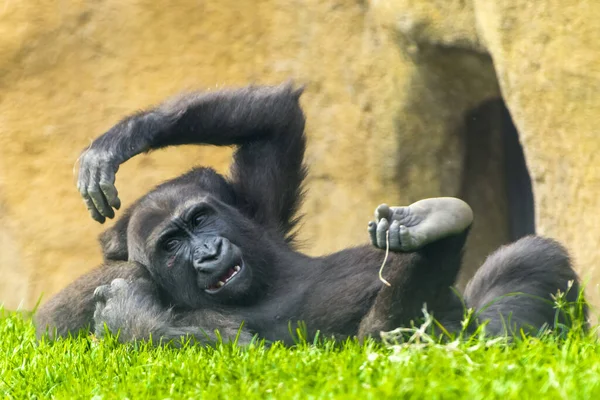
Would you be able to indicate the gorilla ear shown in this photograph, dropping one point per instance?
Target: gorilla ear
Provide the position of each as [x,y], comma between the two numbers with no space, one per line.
[113,241]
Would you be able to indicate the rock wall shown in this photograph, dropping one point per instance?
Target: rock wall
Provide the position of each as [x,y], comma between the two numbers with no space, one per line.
[547,60]
[69,70]
[390,85]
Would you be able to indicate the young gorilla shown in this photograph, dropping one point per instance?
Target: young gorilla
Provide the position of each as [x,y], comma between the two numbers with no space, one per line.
[206,252]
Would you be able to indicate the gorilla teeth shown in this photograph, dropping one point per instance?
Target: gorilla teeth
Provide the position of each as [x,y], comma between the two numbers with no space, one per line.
[225,278]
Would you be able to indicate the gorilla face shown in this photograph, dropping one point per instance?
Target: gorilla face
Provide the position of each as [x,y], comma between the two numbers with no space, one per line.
[200,250]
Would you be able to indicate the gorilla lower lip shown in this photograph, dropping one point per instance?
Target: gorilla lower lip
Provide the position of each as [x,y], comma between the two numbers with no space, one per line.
[224,279]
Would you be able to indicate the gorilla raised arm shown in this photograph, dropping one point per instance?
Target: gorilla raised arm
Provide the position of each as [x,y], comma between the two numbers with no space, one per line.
[219,251]
[267,125]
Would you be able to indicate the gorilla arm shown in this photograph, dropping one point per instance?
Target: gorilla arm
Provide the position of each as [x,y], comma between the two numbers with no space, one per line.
[131,310]
[266,123]
[71,310]
[122,296]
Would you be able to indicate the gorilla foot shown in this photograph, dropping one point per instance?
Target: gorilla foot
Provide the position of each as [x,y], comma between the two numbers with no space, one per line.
[401,237]
[419,224]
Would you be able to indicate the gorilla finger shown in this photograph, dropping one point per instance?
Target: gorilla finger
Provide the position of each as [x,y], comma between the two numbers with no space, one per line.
[101,293]
[395,236]
[83,176]
[83,183]
[92,209]
[373,232]
[405,238]
[107,185]
[382,211]
[97,316]
[119,284]
[382,228]
[111,194]
[100,201]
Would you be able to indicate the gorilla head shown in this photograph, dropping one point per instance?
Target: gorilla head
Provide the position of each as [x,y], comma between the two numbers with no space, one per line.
[197,245]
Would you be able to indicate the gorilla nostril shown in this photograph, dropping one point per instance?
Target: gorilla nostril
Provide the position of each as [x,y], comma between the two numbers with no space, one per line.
[218,245]
[206,256]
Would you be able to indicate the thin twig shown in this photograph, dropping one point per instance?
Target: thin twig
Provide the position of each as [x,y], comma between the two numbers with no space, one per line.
[387,252]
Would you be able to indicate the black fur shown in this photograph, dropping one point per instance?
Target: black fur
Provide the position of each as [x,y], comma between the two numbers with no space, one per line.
[189,230]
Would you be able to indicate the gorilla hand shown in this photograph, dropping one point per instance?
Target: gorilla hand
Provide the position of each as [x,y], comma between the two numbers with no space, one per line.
[130,308]
[100,162]
[96,183]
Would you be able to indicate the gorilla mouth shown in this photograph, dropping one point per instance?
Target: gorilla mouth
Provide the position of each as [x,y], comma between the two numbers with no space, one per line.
[225,279]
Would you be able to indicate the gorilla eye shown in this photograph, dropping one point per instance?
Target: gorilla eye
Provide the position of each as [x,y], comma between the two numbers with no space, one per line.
[198,218]
[171,245]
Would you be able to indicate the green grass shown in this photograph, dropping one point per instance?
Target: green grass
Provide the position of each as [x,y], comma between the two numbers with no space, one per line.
[475,369]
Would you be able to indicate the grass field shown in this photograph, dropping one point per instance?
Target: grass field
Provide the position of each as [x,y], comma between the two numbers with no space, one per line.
[474,369]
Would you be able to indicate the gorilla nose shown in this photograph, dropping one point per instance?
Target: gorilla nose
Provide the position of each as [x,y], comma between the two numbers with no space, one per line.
[207,254]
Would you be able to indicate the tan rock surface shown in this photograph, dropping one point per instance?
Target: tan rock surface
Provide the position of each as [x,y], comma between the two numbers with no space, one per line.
[69,70]
[547,58]
[390,84]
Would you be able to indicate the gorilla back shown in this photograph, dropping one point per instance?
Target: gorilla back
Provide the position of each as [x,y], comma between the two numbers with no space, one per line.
[208,252]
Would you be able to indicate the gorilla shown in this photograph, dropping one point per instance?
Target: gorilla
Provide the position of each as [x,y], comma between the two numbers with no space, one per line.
[203,254]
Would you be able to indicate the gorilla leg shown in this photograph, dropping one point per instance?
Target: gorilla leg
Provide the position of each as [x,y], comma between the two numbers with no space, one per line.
[513,288]
[72,309]
[434,230]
